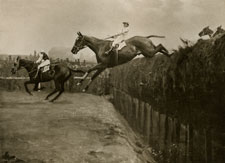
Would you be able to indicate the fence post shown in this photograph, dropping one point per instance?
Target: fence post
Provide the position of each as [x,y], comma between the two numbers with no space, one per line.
[147,123]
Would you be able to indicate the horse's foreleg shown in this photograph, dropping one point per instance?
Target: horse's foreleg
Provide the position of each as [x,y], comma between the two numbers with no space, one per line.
[26,88]
[83,78]
[98,66]
[92,78]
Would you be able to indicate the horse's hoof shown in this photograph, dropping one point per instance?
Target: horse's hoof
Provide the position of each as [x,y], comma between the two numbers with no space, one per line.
[84,90]
[78,84]
[46,98]
[51,101]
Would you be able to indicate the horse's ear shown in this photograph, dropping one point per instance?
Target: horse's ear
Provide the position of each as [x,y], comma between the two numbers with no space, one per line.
[79,34]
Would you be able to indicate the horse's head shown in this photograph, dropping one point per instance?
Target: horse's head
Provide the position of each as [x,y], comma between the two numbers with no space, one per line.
[206,31]
[220,29]
[16,65]
[79,43]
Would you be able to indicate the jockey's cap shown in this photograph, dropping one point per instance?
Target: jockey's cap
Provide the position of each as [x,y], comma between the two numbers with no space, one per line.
[126,23]
[42,52]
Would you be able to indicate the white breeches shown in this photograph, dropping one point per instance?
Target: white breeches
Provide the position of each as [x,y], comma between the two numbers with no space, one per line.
[118,40]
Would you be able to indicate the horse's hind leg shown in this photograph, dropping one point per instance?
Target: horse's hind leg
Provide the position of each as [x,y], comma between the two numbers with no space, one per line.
[162,49]
[53,92]
[60,92]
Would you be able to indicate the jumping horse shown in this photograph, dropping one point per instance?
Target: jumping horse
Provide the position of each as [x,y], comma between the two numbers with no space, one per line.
[59,73]
[134,46]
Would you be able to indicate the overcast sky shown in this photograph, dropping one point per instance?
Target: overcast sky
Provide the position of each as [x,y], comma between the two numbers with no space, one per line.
[28,25]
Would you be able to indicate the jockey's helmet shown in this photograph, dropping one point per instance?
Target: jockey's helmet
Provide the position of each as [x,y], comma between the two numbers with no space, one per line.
[126,23]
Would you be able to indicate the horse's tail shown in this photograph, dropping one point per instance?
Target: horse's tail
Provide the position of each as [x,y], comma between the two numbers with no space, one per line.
[75,70]
[155,36]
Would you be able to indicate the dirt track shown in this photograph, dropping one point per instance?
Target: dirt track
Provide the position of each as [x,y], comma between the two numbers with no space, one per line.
[78,128]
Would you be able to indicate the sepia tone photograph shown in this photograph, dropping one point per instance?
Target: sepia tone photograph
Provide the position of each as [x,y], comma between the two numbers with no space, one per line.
[112,81]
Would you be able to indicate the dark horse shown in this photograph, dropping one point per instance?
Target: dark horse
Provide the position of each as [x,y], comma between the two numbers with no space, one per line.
[59,73]
[134,46]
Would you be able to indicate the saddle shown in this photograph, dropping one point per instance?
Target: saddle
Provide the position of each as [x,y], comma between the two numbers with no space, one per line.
[47,71]
[45,68]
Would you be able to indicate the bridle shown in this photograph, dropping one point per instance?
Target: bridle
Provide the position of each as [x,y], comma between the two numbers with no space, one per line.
[78,48]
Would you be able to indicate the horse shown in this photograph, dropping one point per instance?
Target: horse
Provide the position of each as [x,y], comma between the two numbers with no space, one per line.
[207,31]
[59,73]
[219,31]
[134,46]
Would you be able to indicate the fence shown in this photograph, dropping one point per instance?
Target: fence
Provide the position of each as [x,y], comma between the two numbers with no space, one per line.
[100,86]
[176,104]
[17,84]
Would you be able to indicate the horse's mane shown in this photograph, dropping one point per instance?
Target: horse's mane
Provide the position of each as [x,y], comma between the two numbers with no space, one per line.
[26,61]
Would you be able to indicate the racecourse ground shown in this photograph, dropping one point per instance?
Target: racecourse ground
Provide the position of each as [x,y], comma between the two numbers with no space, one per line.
[78,128]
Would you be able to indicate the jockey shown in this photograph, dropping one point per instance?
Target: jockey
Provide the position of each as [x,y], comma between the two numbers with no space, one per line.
[119,38]
[43,61]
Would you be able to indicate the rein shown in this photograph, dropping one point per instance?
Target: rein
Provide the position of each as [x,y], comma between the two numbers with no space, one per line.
[78,47]
[32,71]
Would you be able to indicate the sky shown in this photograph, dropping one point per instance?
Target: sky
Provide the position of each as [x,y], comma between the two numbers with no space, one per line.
[28,25]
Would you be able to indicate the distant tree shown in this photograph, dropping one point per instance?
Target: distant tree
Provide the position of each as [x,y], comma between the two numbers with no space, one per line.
[30,57]
[84,62]
[35,54]
[10,57]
